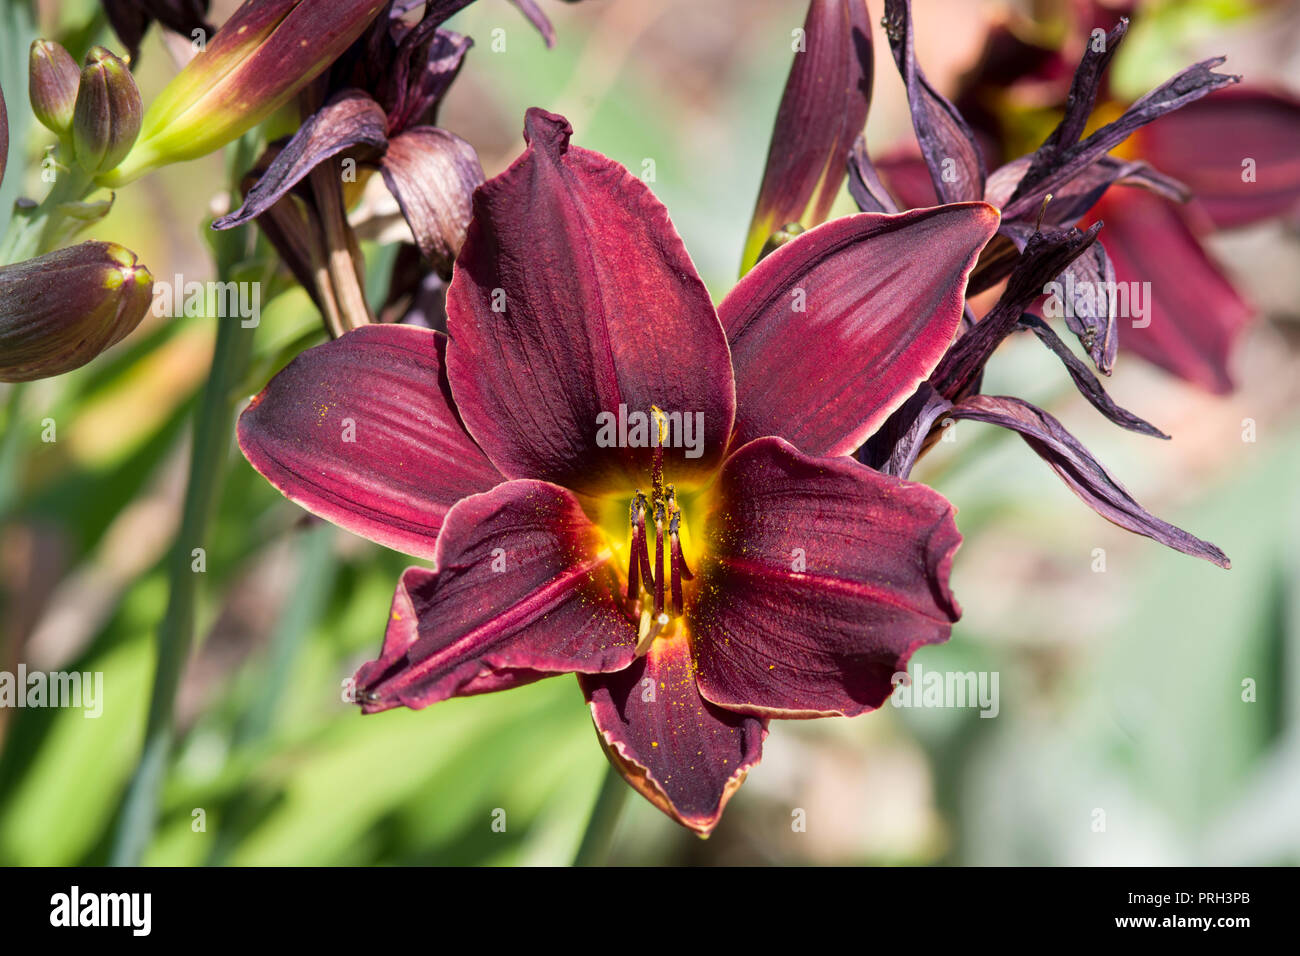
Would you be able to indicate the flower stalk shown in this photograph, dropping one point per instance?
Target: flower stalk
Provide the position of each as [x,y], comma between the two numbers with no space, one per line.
[213,421]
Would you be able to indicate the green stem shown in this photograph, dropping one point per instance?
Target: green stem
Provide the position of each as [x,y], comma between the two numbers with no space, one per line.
[213,423]
[594,848]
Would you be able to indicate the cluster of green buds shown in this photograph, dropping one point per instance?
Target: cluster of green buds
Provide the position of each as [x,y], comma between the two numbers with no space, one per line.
[95,109]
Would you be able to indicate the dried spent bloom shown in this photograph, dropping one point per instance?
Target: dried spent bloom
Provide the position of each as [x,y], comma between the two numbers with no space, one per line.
[1181,167]
[60,310]
[383,117]
[1030,254]
[615,479]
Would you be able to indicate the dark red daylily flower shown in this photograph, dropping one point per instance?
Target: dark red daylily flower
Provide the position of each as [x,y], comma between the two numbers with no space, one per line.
[705,567]
[1153,233]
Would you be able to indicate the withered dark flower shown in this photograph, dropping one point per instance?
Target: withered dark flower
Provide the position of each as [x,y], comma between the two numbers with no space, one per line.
[380,103]
[1034,249]
[1214,161]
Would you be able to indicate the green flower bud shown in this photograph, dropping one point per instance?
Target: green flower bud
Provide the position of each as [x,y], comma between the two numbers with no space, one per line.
[108,112]
[58,311]
[52,83]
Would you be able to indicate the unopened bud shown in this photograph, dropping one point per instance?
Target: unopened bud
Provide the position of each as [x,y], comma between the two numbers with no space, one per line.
[108,112]
[52,83]
[58,311]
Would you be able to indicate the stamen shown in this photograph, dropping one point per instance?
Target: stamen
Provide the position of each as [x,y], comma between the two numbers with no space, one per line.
[643,548]
[1042,211]
[674,526]
[676,562]
[633,557]
[659,559]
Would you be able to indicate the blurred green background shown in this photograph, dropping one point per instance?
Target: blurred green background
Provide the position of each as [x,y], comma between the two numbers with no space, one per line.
[1120,691]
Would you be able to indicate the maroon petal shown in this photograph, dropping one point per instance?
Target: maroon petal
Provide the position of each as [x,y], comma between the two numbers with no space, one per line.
[823,108]
[954,160]
[572,296]
[833,331]
[680,752]
[823,577]
[908,178]
[350,119]
[1194,313]
[1084,475]
[433,175]
[1207,144]
[363,432]
[524,589]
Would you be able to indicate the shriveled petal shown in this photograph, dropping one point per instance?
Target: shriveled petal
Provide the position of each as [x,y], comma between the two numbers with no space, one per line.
[833,331]
[348,120]
[823,108]
[951,153]
[1237,149]
[1084,475]
[433,174]
[524,589]
[822,577]
[1045,255]
[906,435]
[363,432]
[1186,87]
[1193,315]
[680,752]
[1091,311]
[411,76]
[573,295]
[1087,383]
[865,185]
[1079,102]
